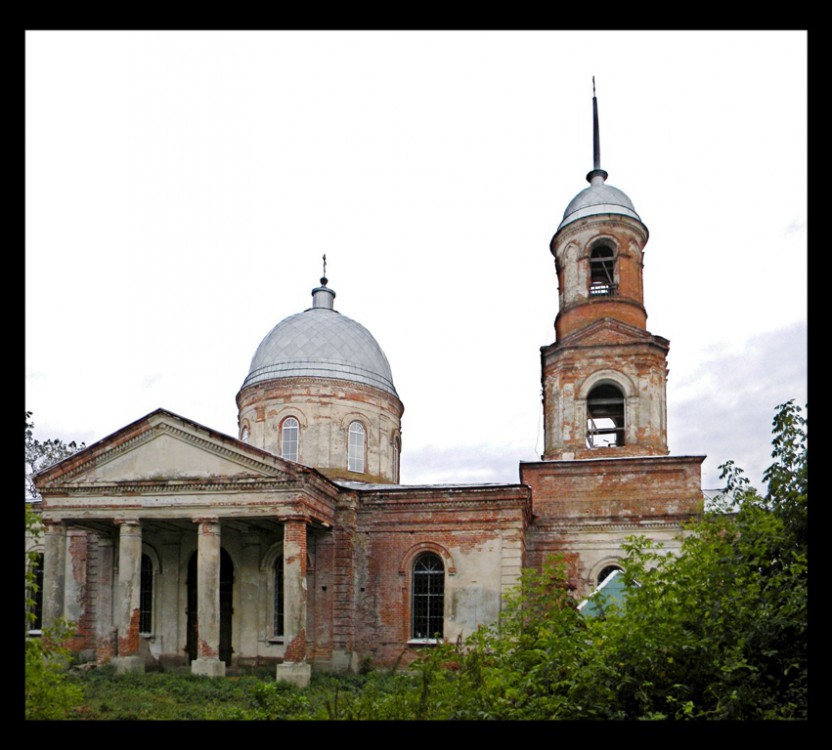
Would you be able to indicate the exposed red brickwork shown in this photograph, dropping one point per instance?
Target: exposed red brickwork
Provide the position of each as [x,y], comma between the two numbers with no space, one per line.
[128,645]
[572,248]
[393,528]
[343,571]
[104,650]
[651,487]
[578,317]
[206,651]
[296,650]
[586,505]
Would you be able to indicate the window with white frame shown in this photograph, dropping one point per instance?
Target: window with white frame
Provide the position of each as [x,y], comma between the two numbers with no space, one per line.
[428,597]
[290,439]
[356,449]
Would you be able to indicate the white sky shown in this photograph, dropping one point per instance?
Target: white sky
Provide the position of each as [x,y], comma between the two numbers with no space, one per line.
[181,188]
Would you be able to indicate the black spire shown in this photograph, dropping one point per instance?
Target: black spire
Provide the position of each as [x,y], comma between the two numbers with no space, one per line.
[596,141]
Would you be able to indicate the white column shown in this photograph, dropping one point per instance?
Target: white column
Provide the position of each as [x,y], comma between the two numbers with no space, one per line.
[249,578]
[208,599]
[126,605]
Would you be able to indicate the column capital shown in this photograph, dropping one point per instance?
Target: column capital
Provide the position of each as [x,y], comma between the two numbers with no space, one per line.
[124,522]
[206,519]
[295,519]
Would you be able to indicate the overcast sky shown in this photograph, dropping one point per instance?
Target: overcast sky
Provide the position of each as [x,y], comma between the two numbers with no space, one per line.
[181,188]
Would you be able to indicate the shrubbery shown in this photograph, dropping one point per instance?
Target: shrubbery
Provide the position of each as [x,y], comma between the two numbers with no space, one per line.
[717,632]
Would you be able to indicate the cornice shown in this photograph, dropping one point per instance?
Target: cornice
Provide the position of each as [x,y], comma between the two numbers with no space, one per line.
[276,387]
[394,505]
[167,488]
[587,526]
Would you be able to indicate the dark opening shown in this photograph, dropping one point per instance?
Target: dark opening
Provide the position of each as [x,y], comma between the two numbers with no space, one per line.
[602,272]
[278,597]
[605,417]
[146,596]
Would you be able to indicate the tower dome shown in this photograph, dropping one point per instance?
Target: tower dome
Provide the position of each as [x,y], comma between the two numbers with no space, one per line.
[598,198]
[321,342]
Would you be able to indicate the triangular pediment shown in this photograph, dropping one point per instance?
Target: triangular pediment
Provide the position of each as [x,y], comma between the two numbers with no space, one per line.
[163,447]
[611,332]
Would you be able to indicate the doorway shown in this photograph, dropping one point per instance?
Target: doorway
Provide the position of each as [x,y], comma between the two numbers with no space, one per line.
[226,608]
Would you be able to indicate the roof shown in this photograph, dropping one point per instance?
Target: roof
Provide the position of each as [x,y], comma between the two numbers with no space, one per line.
[321,342]
[612,590]
[598,198]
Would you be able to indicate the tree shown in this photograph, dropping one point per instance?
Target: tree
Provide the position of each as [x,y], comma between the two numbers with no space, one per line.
[48,692]
[41,454]
[718,631]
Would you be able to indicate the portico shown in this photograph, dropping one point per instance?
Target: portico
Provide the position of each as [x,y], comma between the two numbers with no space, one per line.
[186,548]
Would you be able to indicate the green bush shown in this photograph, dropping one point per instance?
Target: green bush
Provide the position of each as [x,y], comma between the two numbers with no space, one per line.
[718,631]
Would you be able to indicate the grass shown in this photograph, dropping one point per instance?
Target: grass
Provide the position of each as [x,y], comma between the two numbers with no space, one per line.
[167,696]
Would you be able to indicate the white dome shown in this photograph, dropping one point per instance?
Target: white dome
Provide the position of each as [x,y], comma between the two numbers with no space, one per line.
[598,198]
[321,343]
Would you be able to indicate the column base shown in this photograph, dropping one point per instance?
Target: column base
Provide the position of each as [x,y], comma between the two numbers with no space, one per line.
[127,664]
[208,667]
[295,673]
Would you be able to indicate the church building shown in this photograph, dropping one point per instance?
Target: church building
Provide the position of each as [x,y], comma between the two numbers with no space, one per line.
[295,544]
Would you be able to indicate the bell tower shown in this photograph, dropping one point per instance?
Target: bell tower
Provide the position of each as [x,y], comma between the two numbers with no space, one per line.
[605,376]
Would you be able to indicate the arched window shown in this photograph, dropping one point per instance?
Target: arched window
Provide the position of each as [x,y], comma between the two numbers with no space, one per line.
[428,597]
[289,439]
[146,596]
[605,417]
[244,433]
[355,452]
[278,597]
[35,596]
[602,272]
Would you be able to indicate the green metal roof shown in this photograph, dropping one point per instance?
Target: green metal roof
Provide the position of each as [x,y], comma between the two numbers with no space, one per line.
[612,590]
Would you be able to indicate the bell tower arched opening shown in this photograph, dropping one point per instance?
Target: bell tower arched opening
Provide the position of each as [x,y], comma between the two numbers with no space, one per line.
[605,417]
[602,272]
